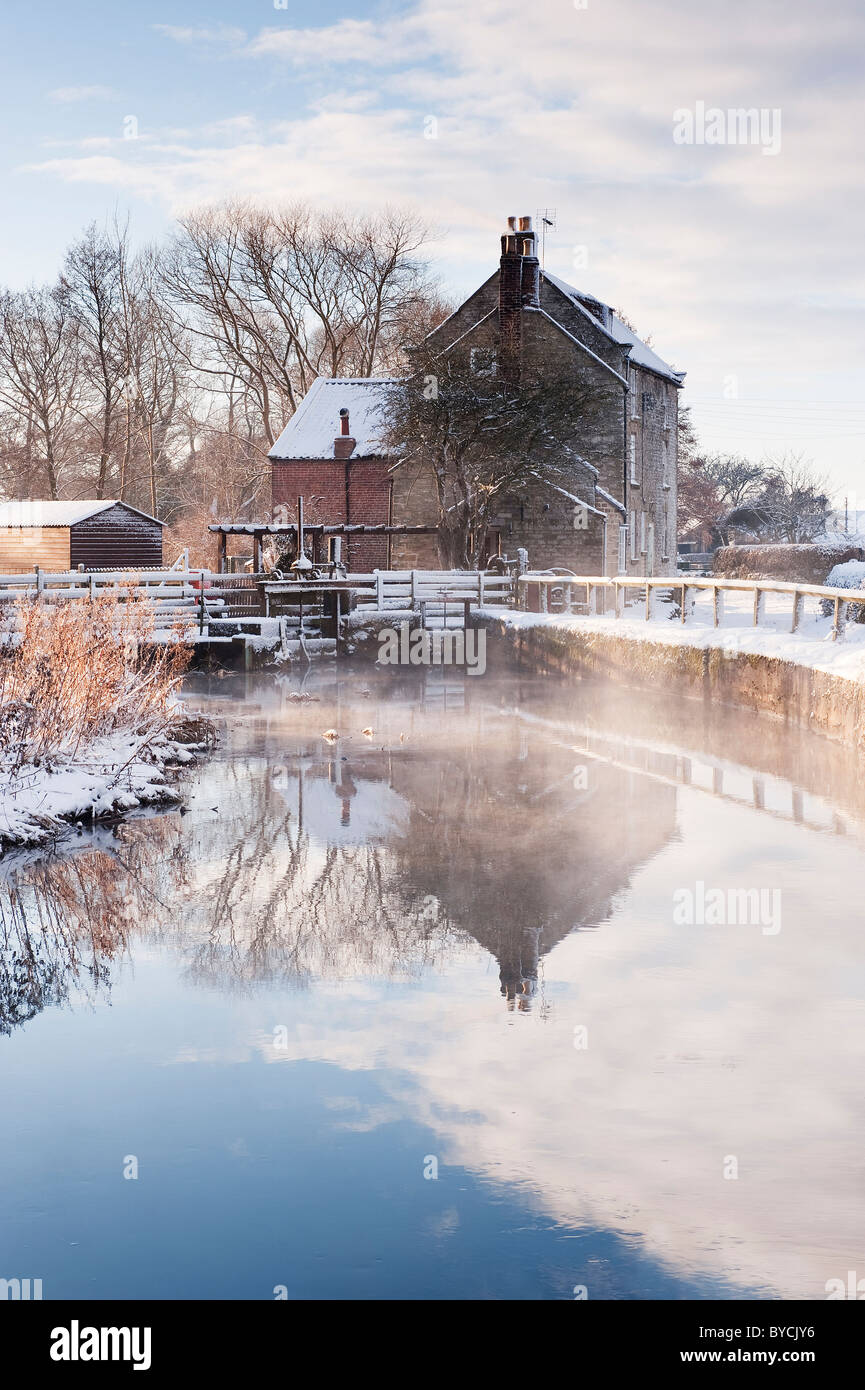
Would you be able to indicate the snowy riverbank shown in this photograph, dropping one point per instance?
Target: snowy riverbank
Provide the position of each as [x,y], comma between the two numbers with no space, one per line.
[812,645]
[90,722]
[113,776]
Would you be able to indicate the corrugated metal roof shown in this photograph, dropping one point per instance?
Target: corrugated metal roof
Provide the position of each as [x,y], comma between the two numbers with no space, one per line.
[315,424]
[36,512]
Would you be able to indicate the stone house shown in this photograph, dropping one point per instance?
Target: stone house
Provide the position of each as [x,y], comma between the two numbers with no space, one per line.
[611,509]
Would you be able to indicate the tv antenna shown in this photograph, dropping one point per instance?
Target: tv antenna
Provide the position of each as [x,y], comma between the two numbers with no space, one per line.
[546,219]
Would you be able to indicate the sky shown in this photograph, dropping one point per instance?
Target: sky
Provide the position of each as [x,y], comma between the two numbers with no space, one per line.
[741,258]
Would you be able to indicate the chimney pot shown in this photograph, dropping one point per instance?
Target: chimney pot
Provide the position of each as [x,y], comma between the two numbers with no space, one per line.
[343,445]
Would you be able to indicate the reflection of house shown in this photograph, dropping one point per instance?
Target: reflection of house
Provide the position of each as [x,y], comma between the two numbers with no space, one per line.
[621,474]
[517,867]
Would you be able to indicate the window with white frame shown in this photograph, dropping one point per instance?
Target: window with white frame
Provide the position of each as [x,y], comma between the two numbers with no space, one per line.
[632,459]
[633,531]
[623,549]
[632,392]
[642,533]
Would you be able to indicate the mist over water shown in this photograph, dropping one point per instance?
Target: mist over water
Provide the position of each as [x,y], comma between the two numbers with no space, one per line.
[444,1007]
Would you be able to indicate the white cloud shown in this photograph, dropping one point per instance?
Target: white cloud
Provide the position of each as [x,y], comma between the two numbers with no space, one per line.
[360,42]
[719,251]
[73,94]
[215,34]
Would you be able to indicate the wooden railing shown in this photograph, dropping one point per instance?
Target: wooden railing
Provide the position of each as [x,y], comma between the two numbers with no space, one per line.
[175,596]
[198,596]
[426,592]
[569,594]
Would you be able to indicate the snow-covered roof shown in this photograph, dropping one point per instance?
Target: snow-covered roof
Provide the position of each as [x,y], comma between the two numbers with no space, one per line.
[35,513]
[640,353]
[315,424]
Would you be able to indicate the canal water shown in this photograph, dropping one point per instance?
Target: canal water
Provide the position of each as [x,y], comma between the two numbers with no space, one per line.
[514,989]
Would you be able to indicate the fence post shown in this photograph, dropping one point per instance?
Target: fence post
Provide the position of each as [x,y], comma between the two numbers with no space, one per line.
[759,604]
[797,610]
[379,590]
[414,590]
[620,602]
[480,588]
[201,608]
[836,620]
[92,587]
[40,581]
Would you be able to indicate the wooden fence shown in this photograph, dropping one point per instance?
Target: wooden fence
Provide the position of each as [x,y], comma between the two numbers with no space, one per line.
[197,596]
[569,594]
[428,592]
[175,596]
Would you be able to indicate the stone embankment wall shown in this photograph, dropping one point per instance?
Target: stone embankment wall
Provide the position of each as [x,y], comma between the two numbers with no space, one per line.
[799,695]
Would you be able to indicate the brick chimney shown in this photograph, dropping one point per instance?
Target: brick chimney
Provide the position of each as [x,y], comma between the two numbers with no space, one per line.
[519,287]
[343,445]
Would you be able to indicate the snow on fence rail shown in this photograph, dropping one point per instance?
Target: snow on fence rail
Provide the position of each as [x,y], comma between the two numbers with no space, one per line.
[193,595]
[407,590]
[200,595]
[560,593]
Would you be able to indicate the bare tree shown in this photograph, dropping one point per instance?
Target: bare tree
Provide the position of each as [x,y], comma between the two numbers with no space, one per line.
[276,298]
[40,380]
[92,287]
[795,499]
[157,377]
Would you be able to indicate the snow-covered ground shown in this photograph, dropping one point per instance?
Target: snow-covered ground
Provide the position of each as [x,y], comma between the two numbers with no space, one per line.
[112,776]
[811,644]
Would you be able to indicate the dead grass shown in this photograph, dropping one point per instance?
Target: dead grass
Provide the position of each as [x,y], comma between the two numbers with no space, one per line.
[75,673]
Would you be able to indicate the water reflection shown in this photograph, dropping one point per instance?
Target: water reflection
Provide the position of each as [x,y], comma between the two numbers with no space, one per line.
[314,864]
[441,901]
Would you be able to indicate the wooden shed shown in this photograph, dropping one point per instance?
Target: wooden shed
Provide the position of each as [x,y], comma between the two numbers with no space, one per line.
[59,536]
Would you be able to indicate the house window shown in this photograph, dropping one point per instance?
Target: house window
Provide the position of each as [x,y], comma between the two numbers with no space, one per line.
[483,361]
[623,549]
[633,531]
[632,458]
[642,533]
[632,391]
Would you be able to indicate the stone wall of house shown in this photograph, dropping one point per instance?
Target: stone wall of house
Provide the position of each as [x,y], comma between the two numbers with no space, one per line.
[484,299]
[415,503]
[549,528]
[651,501]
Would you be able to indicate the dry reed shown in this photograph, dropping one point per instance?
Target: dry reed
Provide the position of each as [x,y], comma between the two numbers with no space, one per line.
[72,674]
